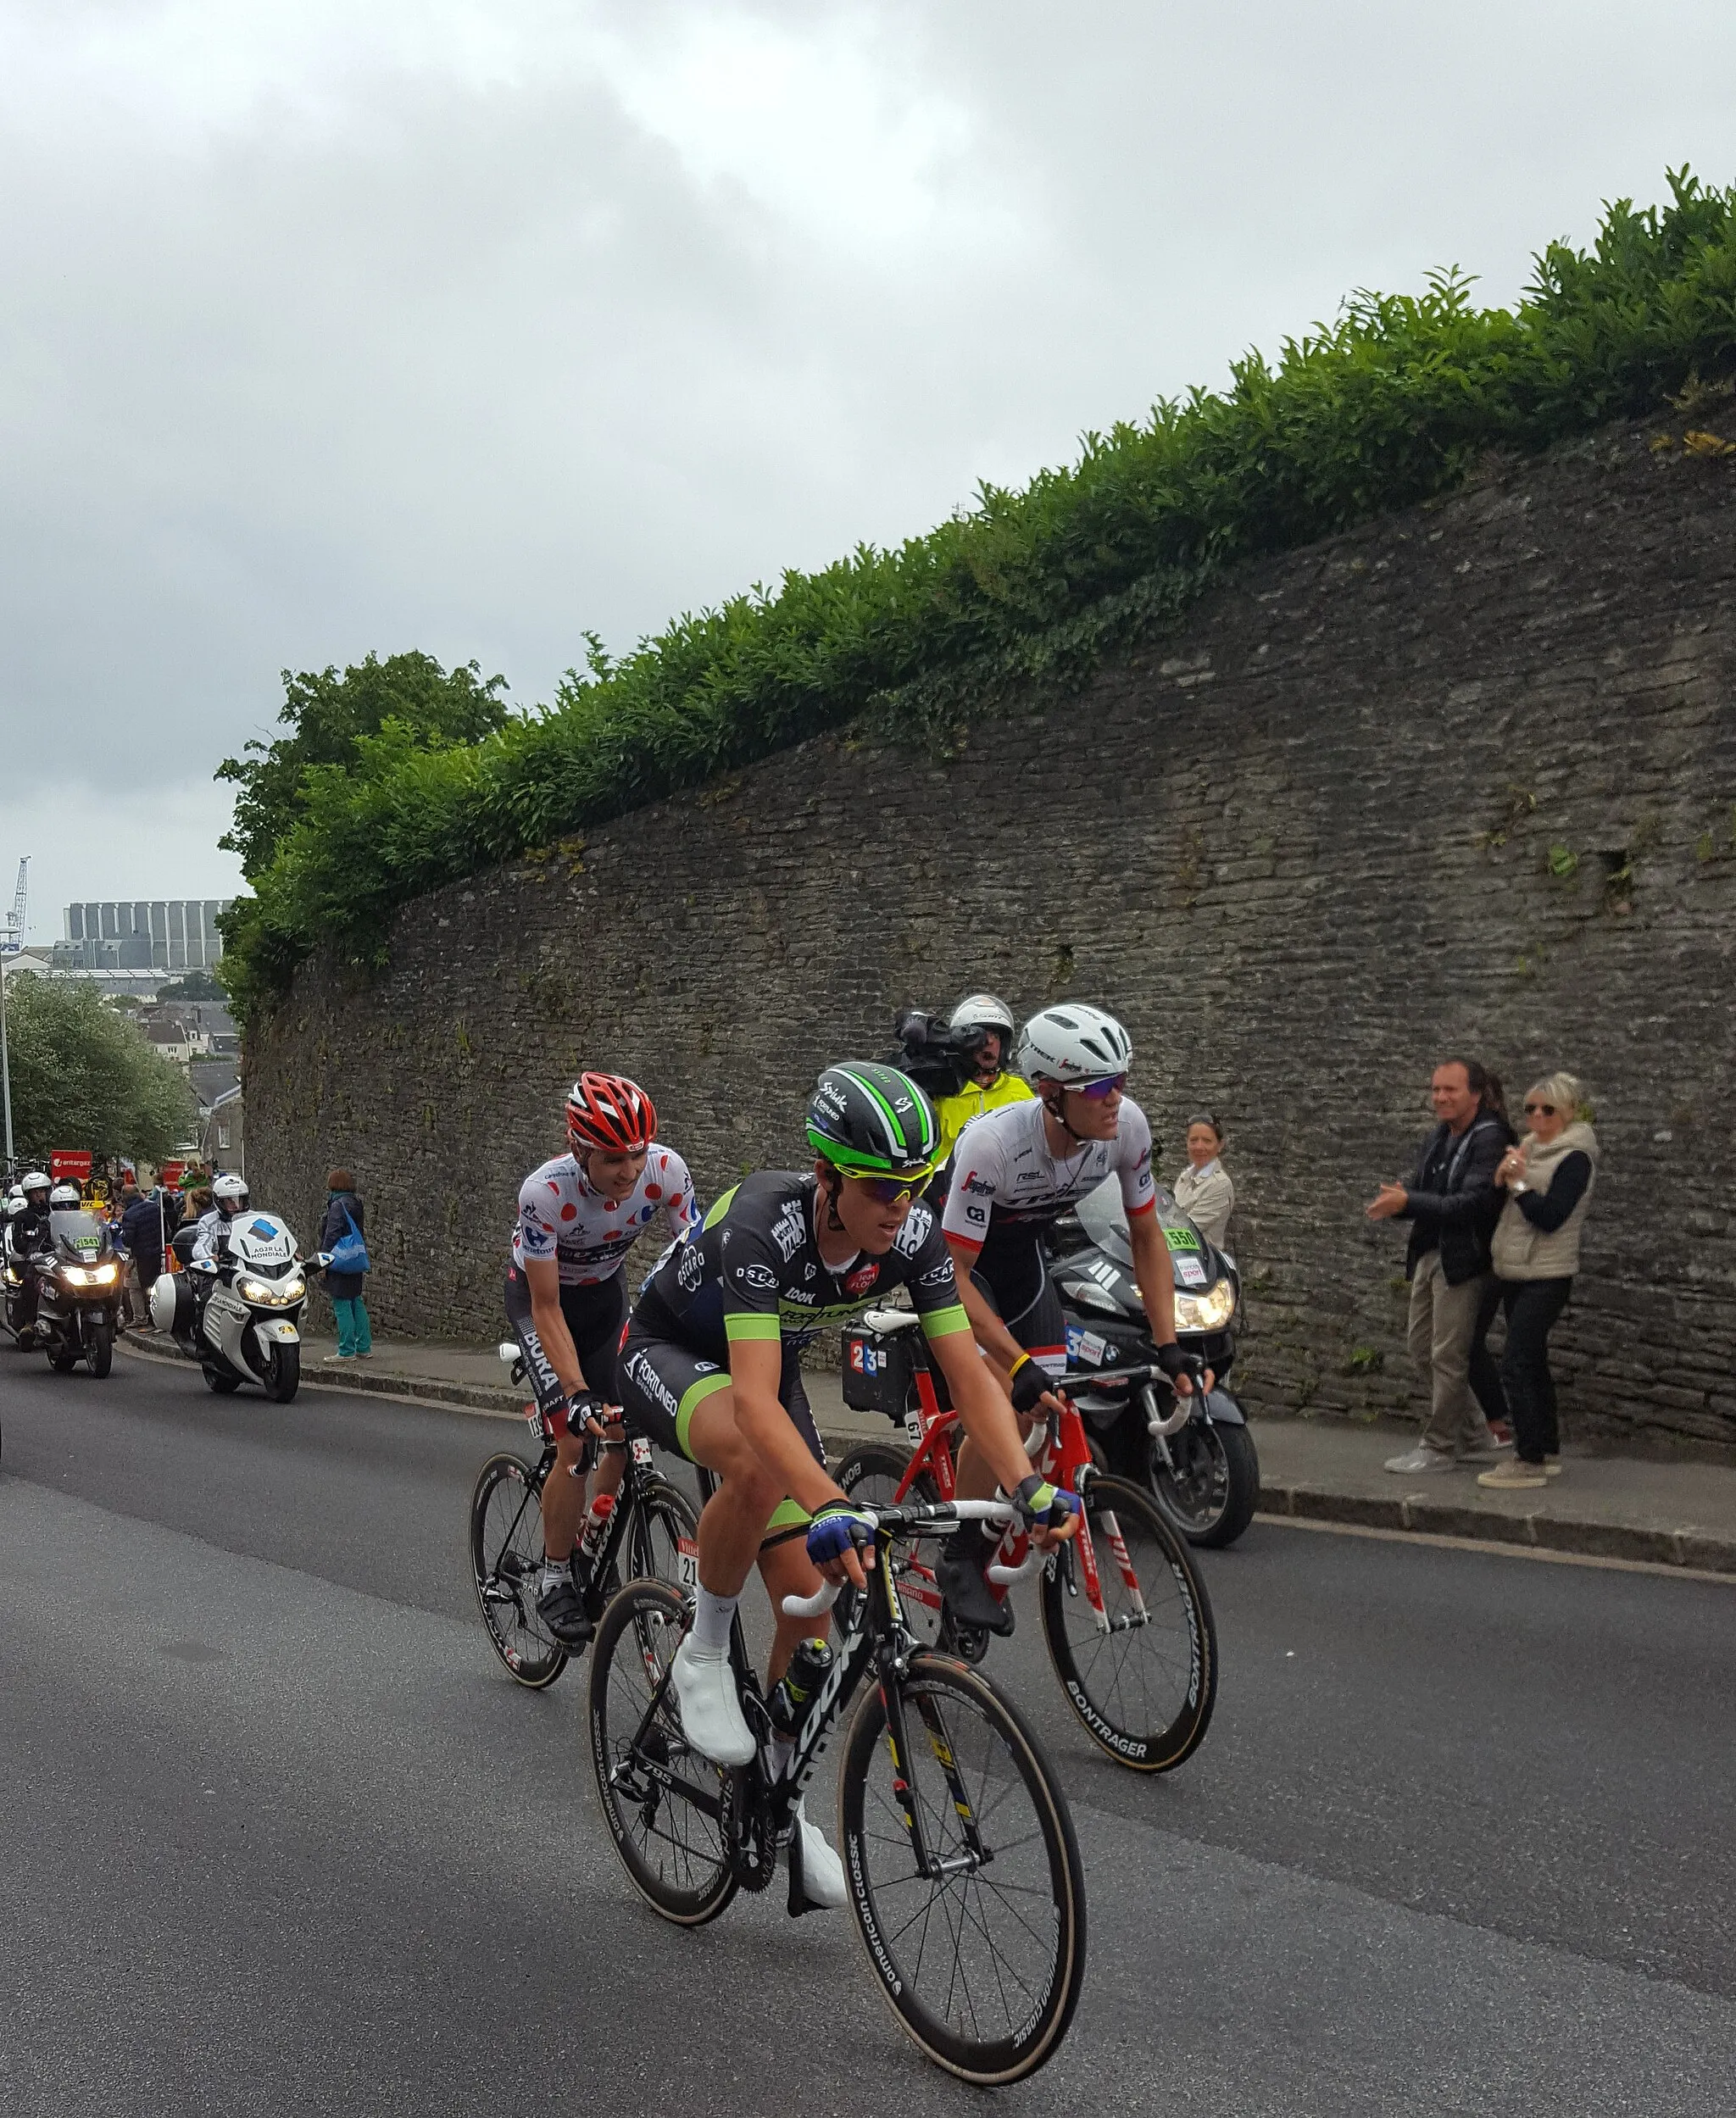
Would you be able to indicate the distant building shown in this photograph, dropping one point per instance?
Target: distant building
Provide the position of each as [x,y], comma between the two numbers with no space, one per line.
[173,935]
[223,1132]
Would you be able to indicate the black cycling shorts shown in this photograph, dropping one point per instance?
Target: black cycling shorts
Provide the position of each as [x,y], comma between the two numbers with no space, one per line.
[594,1315]
[1013,1272]
[661,1386]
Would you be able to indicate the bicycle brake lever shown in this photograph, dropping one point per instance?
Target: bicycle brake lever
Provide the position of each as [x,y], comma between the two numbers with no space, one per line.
[812,1606]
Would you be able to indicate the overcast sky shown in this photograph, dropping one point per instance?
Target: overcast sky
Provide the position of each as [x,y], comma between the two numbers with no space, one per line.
[466,326]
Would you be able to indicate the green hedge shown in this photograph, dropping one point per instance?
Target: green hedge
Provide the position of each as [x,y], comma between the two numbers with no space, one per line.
[1389,406]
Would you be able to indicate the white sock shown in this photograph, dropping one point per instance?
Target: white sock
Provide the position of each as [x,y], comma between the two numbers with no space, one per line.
[711,1622]
[555,1571]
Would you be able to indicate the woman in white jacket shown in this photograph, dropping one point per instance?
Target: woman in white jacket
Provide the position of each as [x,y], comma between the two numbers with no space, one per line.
[1548,1178]
[1204,1191]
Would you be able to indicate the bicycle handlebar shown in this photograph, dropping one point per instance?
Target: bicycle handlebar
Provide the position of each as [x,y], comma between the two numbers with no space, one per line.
[922,1515]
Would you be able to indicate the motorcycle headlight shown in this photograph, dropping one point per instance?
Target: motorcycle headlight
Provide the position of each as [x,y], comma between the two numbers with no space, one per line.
[1207,1312]
[88,1275]
[260,1291]
[293,1290]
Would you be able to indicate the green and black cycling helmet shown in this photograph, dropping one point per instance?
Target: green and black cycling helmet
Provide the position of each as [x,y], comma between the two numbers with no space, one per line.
[871,1120]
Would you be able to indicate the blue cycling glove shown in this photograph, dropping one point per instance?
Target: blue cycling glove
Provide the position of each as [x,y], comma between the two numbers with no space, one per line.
[1041,1505]
[836,1527]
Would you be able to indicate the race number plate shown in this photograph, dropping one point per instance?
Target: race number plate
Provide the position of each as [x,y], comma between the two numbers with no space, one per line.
[913,1425]
[687,1558]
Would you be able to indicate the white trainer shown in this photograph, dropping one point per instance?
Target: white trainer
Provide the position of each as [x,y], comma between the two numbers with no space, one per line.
[711,1713]
[822,1871]
[1419,1459]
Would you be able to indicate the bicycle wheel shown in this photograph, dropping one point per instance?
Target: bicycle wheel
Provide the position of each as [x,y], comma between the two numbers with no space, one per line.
[663,1802]
[982,1963]
[871,1474]
[506,1560]
[663,1517]
[1141,1671]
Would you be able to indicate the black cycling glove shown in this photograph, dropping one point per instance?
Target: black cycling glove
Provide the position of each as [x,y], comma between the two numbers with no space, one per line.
[1175,1361]
[583,1406]
[837,1525]
[1029,1383]
[1041,1505]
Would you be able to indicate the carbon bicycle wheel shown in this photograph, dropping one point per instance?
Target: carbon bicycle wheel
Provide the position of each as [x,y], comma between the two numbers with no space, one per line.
[662,1520]
[1141,1670]
[506,1561]
[663,1804]
[871,1474]
[983,1961]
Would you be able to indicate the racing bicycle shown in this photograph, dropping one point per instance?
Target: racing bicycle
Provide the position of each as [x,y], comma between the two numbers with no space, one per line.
[1125,1614]
[652,1523]
[963,1869]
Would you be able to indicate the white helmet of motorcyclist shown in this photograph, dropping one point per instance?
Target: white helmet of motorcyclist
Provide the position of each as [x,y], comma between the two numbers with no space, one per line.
[35,1180]
[1072,1044]
[66,1198]
[982,1011]
[229,1194]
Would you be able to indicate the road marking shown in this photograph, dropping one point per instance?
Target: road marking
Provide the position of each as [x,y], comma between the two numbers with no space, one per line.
[1442,1543]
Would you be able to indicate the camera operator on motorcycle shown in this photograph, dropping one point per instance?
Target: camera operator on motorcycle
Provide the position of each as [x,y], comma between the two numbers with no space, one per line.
[981,1027]
[1016,1170]
[27,1232]
[579,1215]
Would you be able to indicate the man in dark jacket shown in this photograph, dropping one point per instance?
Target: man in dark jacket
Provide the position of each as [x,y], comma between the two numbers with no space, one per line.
[143,1233]
[1452,1205]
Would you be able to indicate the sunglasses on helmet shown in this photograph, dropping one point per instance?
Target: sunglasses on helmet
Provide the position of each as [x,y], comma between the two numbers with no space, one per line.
[893,1191]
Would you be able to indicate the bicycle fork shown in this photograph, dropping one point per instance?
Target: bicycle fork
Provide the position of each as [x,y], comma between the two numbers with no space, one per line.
[930,1865]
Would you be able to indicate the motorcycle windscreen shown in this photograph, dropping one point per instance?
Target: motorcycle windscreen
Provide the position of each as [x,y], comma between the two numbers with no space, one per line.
[1105,1219]
[79,1235]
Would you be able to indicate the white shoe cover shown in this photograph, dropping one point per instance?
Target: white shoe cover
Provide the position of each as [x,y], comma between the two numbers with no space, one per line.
[711,1713]
[822,1871]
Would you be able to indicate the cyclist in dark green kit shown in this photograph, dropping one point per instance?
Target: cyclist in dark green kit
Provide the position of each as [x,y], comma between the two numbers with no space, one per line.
[710,1370]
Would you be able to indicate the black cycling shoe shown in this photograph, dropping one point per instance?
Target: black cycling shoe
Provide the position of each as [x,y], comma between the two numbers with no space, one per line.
[562,1609]
[966,1586]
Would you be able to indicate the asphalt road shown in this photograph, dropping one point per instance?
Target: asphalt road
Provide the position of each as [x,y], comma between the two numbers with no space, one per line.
[279,1837]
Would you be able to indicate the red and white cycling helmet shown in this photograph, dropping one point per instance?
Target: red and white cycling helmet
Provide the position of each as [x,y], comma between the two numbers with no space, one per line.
[610,1112]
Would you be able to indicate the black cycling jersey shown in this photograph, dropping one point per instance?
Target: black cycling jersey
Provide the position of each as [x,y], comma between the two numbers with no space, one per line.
[755,1271]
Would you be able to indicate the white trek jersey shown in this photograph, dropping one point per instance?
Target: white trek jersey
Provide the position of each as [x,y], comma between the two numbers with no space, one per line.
[1003,1171]
[561,1216]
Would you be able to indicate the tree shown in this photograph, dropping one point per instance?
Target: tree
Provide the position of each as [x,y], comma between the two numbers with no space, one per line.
[330,715]
[197,985]
[86,1077]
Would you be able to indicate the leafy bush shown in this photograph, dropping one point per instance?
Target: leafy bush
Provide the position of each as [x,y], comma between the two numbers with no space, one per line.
[1028,590]
[84,1076]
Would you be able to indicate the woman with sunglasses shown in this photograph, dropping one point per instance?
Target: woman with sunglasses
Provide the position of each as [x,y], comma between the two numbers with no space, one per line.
[1014,1171]
[1548,1178]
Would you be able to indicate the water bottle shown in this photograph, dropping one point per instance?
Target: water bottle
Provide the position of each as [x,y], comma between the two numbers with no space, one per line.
[597,1525]
[794,1692]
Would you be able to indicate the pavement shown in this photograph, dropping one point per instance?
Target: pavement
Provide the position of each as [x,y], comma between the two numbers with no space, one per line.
[282,1837]
[1672,1514]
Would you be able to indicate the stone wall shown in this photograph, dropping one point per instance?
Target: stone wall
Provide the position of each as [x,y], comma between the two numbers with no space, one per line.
[1463,781]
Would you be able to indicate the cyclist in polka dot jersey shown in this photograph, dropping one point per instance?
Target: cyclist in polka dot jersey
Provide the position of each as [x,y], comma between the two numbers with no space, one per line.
[579,1215]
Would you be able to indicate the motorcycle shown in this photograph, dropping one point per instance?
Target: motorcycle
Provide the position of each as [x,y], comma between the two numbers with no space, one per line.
[239,1316]
[78,1283]
[1205,1474]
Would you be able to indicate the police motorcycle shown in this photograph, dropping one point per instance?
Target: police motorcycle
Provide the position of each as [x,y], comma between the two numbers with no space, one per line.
[77,1281]
[238,1313]
[1205,1475]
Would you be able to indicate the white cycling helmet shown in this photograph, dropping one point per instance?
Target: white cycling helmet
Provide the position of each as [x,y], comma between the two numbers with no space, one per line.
[229,1194]
[982,1011]
[66,1198]
[1072,1044]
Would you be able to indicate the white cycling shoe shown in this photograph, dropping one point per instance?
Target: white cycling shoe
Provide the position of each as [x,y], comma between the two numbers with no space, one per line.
[711,1713]
[822,1871]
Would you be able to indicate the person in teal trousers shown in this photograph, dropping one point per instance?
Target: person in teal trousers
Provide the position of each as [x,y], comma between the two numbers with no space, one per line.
[355,1340]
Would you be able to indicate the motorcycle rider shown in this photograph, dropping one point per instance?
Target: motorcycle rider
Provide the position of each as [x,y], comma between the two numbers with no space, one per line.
[1017,1169]
[983,1026]
[229,1198]
[26,1233]
[579,1215]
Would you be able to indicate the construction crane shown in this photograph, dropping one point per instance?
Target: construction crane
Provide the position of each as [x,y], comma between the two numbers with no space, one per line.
[21,906]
